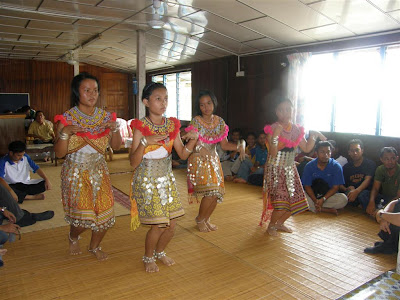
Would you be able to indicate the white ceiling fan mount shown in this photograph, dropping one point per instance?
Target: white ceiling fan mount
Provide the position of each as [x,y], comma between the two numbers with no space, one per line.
[70,58]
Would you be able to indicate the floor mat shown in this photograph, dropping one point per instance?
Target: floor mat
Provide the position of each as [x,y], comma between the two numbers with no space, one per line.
[383,287]
[121,198]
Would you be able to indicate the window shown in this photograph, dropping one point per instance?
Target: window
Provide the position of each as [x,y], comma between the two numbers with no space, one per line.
[353,91]
[179,86]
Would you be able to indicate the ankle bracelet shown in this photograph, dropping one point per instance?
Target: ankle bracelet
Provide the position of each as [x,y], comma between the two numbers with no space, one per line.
[73,241]
[159,255]
[94,250]
[148,260]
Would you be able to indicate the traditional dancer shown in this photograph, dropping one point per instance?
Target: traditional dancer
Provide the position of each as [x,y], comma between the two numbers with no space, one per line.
[83,134]
[154,196]
[283,193]
[205,178]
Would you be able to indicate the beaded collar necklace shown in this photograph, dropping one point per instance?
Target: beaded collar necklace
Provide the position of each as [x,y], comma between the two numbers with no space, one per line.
[158,129]
[90,123]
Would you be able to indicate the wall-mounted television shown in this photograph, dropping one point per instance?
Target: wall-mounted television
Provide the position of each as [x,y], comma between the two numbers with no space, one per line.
[13,101]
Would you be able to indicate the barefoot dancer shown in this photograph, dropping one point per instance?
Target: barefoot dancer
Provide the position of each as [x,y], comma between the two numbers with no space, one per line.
[154,196]
[205,178]
[83,134]
[283,193]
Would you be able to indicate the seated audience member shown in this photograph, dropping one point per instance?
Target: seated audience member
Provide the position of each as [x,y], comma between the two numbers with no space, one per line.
[247,167]
[228,158]
[251,143]
[358,174]
[29,114]
[335,153]
[386,186]
[19,216]
[8,231]
[389,220]
[15,169]
[321,180]
[41,129]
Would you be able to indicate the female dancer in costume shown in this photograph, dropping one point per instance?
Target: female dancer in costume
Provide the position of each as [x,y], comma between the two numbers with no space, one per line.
[154,196]
[83,134]
[205,178]
[283,193]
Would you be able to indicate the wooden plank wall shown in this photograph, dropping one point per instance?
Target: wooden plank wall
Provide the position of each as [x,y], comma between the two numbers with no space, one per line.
[48,83]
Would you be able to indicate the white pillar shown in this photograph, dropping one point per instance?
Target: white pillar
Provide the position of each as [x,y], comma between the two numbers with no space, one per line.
[76,68]
[140,72]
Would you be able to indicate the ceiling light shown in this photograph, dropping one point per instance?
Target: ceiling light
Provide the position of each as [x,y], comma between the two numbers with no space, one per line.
[156,24]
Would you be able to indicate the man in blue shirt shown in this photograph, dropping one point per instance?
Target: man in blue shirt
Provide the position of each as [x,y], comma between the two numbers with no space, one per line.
[321,180]
[15,169]
[247,168]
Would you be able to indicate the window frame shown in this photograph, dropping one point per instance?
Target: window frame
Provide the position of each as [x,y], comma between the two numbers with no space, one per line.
[177,89]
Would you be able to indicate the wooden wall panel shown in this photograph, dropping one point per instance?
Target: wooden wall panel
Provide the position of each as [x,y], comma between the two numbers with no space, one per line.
[49,83]
[115,94]
[211,75]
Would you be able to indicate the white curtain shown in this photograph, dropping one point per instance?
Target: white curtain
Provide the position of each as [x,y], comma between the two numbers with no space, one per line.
[297,62]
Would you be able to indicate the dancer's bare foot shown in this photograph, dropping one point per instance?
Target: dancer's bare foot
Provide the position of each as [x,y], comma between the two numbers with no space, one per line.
[150,264]
[166,260]
[3,251]
[283,227]
[271,230]
[239,180]
[35,197]
[210,226]
[74,248]
[202,225]
[100,255]
[331,211]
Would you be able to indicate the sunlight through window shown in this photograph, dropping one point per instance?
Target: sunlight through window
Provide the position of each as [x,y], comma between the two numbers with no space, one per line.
[353,91]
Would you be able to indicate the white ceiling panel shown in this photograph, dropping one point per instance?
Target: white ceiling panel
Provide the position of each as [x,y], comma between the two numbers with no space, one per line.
[290,12]
[5,21]
[193,30]
[34,24]
[31,14]
[216,52]
[31,32]
[29,4]
[387,5]
[333,31]
[90,11]
[155,65]
[228,9]
[231,45]
[131,5]
[263,44]
[278,31]
[226,27]
[101,24]
[83,2]
[395,15]
[358,16]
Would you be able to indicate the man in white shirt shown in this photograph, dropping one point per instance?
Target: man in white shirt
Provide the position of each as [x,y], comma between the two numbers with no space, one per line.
[15,169]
